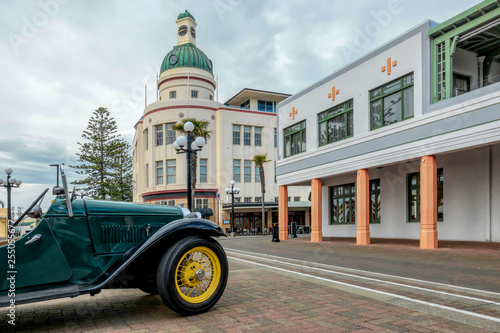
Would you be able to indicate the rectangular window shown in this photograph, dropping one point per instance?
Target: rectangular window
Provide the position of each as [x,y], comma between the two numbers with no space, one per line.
[146,139]
[258,199]
[440,195]
[441,71]
[147,175]
[203,170]
[170,133]
[247,199]
[173,94]
[461,84]
[247,169]
[237,170]
[275,138]
[257,174]
[159,172]
[257,132]
[289,199]
[392,103]
[336,123]
[266,106]
[296,199]
[237,199]
[170,202]
[194,93]
[246,104]
[295,139]
[171,172]
[211,97]
[414,197]
[201,203]
[236,134]
[247,135]
[343,204]
[159,135]
[375,201]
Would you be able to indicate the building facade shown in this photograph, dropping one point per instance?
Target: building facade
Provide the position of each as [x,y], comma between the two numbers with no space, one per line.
[244,126]
[411,150]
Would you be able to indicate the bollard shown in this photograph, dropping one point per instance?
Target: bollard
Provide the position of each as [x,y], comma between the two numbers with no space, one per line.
[276,236]
[293,230]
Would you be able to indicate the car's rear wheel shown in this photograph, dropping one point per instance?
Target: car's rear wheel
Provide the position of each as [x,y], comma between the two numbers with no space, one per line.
[192,275]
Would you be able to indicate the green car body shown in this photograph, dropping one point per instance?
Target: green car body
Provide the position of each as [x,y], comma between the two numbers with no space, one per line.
[104,244]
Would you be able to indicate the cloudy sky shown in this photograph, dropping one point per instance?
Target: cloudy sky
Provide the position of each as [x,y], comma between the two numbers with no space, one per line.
[62,59]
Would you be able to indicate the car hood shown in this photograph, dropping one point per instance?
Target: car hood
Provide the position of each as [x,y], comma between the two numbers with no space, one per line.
[102,207]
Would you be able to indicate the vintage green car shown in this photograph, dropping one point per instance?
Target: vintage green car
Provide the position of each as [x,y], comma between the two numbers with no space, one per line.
[83,246]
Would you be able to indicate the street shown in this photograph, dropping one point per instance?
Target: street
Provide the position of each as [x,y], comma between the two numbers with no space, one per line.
[298,286]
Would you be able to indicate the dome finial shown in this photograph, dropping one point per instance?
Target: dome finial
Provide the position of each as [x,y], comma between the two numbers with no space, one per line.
[185,14]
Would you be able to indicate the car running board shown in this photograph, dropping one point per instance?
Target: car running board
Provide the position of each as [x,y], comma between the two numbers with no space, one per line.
[40,295]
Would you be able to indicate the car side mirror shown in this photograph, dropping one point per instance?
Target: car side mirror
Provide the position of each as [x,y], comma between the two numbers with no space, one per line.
[36,212]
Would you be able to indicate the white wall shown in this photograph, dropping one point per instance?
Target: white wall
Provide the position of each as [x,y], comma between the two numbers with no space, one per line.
[495,193]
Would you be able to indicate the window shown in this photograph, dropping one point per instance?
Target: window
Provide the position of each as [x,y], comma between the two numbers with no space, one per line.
[392,103]
[173,94]
[414,196]
[171,172]
[237,199]
[375,201]
[170,202]
[441,71]
[257,174]
[258,199]
[201,203]
[236,170]
[159,135]
[170,133]
[440,195]
[295,139]
[247,135]
[146,139]
[236,134]
[257,132]
[289,199]
[211,97]
[166,202]
[336,123]
[247,169]
[266,106]
[275,138]
[194,93]
[343,204]
[296,199]
[203,170]
[147,175]
[246,104]
[159,172]
[247,199]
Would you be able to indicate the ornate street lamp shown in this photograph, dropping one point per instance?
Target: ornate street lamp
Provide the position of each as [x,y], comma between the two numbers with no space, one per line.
[10,183]
[191,148]
[232,190]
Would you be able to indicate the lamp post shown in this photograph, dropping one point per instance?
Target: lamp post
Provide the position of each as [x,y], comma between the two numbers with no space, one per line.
[9,183]
[191,148]
[232,190]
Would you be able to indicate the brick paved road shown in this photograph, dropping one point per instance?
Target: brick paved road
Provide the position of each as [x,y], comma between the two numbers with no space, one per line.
[256,300]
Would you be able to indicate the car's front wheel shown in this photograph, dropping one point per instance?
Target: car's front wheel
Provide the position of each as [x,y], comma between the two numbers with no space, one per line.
[192,275]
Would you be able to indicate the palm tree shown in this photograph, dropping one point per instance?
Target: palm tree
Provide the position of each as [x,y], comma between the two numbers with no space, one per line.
[259,161]
[199,130]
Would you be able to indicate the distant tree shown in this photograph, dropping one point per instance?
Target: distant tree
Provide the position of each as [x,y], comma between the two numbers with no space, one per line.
[103,159]
[200,129]
[259,161]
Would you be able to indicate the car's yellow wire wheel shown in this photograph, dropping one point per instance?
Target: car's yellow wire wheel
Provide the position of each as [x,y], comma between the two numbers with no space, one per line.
[197,274]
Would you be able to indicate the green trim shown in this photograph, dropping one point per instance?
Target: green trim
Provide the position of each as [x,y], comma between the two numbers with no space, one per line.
[380,95]
[466,19]
[289,132]
[324,117]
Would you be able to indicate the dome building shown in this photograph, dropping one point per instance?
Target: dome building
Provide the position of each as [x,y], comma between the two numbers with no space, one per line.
[244,126]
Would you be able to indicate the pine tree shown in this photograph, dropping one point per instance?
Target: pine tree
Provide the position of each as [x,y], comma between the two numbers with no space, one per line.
[103,159]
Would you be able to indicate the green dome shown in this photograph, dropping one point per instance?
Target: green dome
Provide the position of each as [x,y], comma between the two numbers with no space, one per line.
[184,15]
[186,55]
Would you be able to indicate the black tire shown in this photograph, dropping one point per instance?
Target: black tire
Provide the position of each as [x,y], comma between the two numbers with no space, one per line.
[192,275]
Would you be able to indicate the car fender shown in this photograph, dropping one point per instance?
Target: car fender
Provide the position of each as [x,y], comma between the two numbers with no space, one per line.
[156,243]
